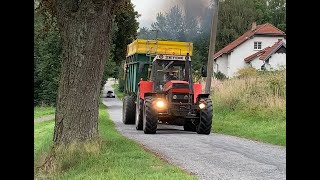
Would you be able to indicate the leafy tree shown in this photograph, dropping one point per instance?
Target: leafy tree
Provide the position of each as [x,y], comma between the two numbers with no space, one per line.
[235,18]
[145,33]
[277,11]
[125,31]
[47,59]
[175,24]
[161,26]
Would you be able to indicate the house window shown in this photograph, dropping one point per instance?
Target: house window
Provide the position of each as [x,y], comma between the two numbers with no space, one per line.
[257,45]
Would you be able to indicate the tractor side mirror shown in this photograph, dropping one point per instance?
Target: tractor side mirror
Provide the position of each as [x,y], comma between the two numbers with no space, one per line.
[204,71]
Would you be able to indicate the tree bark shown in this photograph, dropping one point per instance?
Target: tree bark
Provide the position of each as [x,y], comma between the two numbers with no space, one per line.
[85,28]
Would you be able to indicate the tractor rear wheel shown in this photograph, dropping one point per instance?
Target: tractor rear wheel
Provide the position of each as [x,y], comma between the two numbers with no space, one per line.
[205,124]
[128,110]
[139,112]
[150,119]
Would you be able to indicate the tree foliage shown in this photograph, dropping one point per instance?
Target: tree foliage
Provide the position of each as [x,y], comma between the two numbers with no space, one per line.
[47,59]
[126,27]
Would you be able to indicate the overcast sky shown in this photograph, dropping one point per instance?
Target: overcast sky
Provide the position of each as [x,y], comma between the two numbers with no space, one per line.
[149,9]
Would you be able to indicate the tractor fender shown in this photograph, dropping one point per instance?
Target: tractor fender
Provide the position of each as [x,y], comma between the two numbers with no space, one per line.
[203,96]
[145,87]
[197,90]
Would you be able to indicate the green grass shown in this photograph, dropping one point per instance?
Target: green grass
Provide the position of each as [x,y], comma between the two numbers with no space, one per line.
[43,111]
[113,157]
[264,126]
[43,133]
[119,94]
[252,107]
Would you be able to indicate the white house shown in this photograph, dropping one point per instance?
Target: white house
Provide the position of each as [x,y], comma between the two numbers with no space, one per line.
[262,47]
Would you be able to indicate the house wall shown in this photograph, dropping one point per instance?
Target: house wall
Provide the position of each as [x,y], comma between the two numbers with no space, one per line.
[236,58]
[221,64]
[256,63]
[277,60]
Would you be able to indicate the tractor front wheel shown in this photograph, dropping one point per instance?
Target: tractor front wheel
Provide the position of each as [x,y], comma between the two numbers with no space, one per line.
[128,110]
[150,119]
[205,124]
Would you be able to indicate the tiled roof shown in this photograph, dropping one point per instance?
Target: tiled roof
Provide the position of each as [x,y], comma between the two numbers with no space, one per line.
[264,29]
[266,52]
[257,54]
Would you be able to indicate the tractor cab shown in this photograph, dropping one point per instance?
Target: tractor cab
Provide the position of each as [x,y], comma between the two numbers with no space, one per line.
[167,68]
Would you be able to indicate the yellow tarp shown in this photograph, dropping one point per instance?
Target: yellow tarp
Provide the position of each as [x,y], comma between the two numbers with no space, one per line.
[142,46]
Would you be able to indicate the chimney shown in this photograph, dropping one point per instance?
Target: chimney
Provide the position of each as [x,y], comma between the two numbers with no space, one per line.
[254,26]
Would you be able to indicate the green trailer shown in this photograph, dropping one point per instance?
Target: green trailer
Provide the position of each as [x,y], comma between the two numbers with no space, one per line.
[136,68]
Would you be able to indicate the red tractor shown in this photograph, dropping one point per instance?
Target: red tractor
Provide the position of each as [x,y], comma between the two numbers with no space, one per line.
[169,96]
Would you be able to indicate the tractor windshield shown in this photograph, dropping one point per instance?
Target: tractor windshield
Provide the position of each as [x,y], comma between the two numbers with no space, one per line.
[165,70]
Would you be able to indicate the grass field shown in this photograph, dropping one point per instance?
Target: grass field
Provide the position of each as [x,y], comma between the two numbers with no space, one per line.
[111,156]
[253,107]
[43,111]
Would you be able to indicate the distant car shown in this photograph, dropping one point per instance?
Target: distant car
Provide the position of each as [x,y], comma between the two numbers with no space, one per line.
[110,94]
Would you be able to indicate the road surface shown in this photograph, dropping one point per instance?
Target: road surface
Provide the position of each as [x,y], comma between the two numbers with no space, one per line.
[209,157]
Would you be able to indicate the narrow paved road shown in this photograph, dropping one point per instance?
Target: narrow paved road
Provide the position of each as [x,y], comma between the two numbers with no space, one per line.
[44,118]
[209,157]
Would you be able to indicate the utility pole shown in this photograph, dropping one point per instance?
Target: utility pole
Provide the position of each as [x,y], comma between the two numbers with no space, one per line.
[215,9]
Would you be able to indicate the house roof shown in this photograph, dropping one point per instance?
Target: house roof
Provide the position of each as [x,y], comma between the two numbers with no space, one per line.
[263,29]
[266,52]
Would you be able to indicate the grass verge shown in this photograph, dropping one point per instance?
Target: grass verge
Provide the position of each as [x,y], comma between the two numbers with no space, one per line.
[43,111]
[268,127]
[111,156]
[252,106]
[43,133]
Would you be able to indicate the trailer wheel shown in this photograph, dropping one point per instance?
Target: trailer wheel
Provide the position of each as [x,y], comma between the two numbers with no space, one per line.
[128,110]
[205,124]
[139,112]
[189,126]
[150,119]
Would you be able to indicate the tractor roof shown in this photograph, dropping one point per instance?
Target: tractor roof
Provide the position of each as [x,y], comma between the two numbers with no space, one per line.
[170,57]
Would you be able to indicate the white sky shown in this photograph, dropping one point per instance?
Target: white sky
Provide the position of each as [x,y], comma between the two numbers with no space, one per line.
[149,9]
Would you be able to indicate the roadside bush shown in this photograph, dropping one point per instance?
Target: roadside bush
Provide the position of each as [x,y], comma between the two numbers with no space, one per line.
[219,75]
[247,72]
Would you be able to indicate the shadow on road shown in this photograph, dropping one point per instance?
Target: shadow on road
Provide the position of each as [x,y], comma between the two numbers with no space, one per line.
[173,131]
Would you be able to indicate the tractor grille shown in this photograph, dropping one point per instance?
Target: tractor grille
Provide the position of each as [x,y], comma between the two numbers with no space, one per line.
[180,85]
[180,98]
[180,109]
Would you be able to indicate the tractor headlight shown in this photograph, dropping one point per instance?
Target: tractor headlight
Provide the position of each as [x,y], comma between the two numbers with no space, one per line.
[160,104]
[202,105]
[174,96]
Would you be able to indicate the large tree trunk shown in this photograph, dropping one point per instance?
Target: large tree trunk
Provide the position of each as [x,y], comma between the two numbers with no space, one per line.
[85,27]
